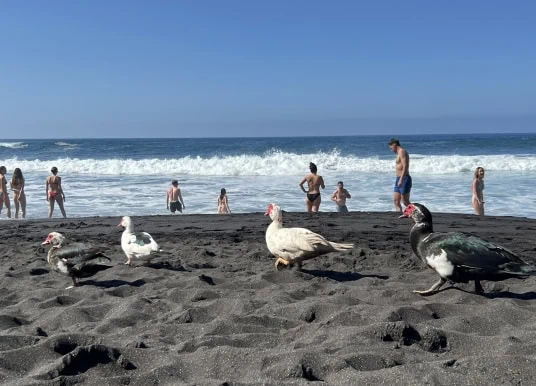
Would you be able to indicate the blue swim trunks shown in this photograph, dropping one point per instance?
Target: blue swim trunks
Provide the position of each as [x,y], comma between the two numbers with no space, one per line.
[405,188]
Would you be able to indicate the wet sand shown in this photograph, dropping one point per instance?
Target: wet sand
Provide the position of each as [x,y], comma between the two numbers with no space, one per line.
[212,310]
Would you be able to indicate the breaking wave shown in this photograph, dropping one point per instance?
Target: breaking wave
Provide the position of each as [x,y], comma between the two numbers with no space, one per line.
[275,163]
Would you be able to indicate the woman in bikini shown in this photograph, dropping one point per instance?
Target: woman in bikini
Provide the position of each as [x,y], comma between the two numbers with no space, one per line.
[223,203]
[478,191]
[314,182]
[19,197]
[54,192]
[4,196]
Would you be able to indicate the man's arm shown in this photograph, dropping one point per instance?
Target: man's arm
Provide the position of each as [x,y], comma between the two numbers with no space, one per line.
[180,198]
[404,163]
[167,199]
[334,196]
[347,193]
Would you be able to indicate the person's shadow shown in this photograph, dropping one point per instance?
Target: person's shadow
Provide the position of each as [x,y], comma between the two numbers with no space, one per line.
[341,276]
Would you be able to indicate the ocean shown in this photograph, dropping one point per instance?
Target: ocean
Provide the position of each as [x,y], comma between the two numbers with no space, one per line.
[117,177]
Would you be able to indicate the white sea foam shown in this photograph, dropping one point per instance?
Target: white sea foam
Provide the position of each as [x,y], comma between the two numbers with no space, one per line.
[13,145]
[91,195]
[277,163]
[66,144]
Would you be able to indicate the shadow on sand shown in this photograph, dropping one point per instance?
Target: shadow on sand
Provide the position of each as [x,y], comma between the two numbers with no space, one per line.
[166,265]
[531,295]
[341,276]
[113,283]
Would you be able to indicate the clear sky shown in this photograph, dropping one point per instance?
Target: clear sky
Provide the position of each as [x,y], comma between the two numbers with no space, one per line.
[246,68]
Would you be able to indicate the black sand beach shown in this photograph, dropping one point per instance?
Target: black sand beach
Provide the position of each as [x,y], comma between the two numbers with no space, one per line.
[212,309]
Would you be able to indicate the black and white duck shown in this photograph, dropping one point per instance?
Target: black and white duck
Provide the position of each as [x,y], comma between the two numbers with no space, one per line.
[458,257]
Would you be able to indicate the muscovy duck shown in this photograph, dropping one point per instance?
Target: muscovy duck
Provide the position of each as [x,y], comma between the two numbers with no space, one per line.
[136,245]
[458,257]
[294,245]
[76,260]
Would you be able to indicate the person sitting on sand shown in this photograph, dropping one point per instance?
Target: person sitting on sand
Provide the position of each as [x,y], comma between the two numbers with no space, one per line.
[339,196]
[4,196]
[314,182]
[478,191]
[174,199]
[223,203]
[19,197]
[54,192]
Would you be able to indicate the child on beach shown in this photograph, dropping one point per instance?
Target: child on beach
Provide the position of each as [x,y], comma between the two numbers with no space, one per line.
[478,191]
[174,199]
[223,203]
[4,197]
[19,197]
[339,196]
[54,192]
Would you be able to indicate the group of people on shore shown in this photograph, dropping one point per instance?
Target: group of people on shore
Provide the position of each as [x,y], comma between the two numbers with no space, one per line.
[53,192]
[401,188]
[175,203]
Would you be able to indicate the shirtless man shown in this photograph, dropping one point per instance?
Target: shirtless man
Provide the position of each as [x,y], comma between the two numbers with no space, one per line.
[54,192]
[314,182]
[174,200]
[403,181]
[4,197]
[339,196]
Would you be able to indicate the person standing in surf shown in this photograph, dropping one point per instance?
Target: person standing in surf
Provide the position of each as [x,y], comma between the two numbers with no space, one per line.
[403,180]
[54,192]
[223,203]
[174,201]
[478,191]
[314,182]
[19,197]
[4,196]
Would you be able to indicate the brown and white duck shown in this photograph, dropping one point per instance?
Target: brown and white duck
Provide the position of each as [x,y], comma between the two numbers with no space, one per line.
[76,261]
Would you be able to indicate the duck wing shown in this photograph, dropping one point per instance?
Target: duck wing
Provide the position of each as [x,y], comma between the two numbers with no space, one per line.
[82,254]
[297,242]
[142,240]
[473,253]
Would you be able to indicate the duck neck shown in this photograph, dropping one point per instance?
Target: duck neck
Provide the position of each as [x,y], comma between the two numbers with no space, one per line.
[418,232]
[277,223]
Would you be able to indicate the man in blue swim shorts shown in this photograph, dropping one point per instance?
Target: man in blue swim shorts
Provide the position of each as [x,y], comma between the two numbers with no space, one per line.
[403,181]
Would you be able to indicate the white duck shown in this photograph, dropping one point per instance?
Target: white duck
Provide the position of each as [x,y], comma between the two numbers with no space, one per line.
[294,245]
[136,245]
[77,260]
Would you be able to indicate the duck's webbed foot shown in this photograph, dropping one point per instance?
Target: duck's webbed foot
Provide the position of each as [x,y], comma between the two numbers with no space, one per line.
[478,287]
[433,289]
[281,261]
[75,283]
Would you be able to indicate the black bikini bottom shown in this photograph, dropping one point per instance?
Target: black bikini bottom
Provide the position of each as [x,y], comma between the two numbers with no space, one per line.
[312,196]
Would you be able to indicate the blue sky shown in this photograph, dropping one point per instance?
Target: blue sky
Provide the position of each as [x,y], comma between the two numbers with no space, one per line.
[247,68]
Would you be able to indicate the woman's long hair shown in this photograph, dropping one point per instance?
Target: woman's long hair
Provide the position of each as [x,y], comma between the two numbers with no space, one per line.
[17,176]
